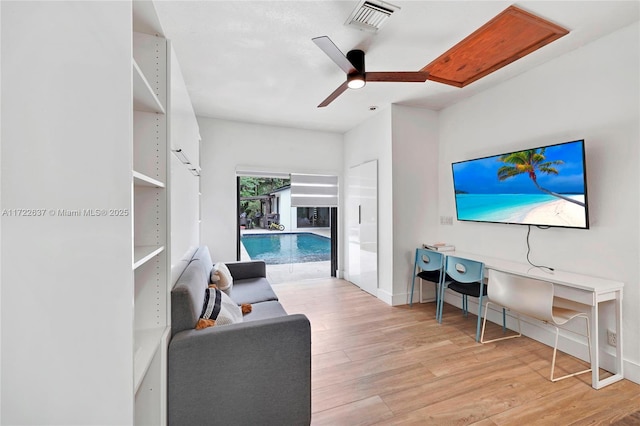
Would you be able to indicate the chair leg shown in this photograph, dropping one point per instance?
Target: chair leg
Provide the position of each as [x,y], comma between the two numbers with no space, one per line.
[479,316]
[555,349]
[504,319]
[437,287]
[413,282]
[420,293]
[504,326]
[440,307]
[586,319]
[484,323]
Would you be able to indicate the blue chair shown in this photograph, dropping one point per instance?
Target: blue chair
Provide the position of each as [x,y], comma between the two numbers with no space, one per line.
[428,266]
[467,278]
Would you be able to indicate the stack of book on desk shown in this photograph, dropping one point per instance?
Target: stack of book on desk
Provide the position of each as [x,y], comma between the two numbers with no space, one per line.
[439,247]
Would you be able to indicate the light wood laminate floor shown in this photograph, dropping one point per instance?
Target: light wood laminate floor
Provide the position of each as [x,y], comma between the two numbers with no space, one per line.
[373,364]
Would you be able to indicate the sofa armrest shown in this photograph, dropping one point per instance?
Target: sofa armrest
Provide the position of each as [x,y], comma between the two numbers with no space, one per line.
[247,269]
[255,372]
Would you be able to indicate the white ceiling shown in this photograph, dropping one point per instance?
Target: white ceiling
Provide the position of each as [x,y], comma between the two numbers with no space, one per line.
[254,61]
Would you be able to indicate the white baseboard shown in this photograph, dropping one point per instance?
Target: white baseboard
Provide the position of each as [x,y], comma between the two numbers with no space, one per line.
[631,371]
[403,298]
[389,298]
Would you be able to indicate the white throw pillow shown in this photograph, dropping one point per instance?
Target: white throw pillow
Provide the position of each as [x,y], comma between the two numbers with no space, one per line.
[220,308]
[224,280]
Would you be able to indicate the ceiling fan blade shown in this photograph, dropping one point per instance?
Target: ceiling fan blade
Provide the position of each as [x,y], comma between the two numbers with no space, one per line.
[334,95]
[334,53]
[398,76]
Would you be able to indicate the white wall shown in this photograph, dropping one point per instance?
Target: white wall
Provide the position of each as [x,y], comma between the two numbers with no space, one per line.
[287,213]
[227,145]
[67,282]
[415,192]
[591,93]
[404,140]
[184,187]
[371,140]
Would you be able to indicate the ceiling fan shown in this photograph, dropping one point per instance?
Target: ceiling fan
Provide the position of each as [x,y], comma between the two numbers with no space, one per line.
[353,65]
[507,37]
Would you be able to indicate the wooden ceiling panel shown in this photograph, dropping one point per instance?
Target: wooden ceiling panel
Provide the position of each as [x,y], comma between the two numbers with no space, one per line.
[509,36]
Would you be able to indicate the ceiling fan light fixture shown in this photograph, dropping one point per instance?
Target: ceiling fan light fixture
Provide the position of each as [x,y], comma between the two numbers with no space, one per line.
[355,81]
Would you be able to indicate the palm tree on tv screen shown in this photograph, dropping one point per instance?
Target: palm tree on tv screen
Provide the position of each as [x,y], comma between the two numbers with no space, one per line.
[529,162]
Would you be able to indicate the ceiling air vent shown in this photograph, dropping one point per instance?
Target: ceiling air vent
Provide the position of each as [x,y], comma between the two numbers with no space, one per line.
[370,16]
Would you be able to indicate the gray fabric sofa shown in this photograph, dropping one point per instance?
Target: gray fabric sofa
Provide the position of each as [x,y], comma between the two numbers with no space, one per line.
[257,372]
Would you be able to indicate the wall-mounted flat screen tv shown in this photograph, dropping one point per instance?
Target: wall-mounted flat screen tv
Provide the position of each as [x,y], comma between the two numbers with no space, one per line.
[543,186]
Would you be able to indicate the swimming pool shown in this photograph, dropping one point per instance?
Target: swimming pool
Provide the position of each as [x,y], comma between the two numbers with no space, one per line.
[277,249]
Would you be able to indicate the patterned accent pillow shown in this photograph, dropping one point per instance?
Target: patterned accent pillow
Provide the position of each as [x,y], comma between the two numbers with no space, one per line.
[218,309]
[221,276]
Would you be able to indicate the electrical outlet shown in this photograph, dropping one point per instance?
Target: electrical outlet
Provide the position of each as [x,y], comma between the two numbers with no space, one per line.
[612,338]
[446,220]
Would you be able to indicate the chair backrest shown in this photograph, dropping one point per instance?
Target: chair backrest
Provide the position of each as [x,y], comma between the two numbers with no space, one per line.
[528,296]
[464,270]
[429,260]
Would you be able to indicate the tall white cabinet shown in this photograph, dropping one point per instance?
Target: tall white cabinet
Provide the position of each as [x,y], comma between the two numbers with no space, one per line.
[362,219]
[85,198]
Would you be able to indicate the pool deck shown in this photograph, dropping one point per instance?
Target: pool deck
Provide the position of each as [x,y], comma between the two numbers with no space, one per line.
[291,272]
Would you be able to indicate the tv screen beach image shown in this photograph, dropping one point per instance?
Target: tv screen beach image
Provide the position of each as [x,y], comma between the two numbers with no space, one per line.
[543,186]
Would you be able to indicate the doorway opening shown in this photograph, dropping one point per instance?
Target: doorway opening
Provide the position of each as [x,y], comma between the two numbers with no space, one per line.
[296,242]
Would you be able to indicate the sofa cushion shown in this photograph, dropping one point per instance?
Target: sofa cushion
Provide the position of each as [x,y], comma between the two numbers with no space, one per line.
[224,279]
[265,310]
[252,290]
[218,309]
[247,269]
[187,296]
[204,255]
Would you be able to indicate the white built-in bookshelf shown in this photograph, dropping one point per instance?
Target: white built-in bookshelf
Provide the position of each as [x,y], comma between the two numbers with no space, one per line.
[150,262]
[90,109]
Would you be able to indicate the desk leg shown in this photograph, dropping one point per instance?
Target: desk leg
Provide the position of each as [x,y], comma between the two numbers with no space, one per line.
[595,349]
[619,358]
[479,326]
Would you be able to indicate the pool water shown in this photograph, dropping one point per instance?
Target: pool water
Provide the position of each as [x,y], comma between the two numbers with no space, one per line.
[277,249]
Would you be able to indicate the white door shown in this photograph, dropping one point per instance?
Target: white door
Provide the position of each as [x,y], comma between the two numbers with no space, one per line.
[353,217]
[363,226]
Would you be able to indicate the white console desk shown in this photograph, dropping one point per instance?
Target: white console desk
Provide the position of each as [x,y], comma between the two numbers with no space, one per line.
[582,289]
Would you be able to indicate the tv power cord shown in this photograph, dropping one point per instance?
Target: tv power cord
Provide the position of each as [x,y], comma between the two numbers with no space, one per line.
[547,268]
